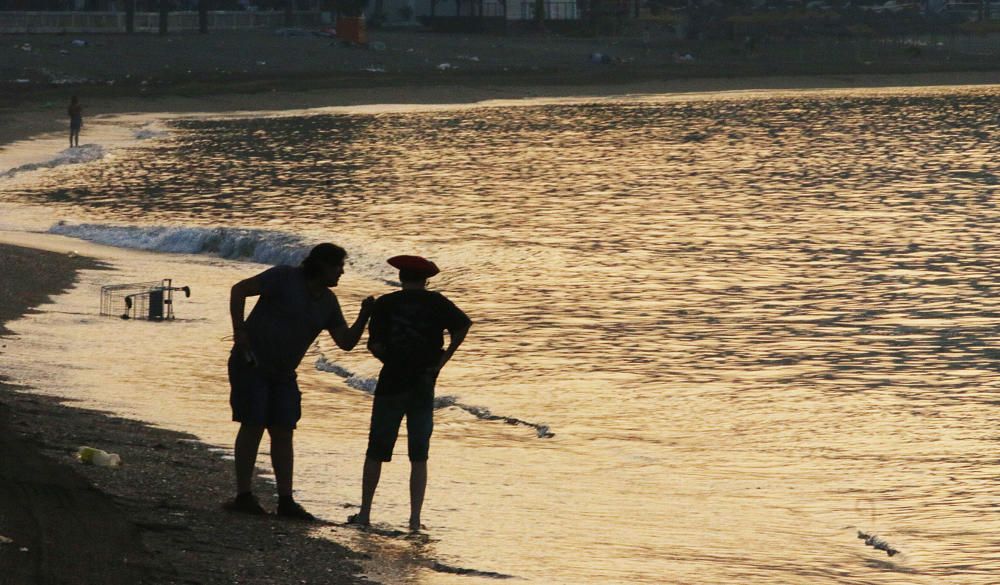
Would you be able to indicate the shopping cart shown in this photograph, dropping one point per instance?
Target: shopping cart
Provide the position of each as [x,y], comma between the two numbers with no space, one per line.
[153,301]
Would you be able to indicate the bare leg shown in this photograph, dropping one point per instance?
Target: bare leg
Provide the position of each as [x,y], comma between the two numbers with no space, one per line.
[245,454]
[282,459]
[369,481]
[418,485]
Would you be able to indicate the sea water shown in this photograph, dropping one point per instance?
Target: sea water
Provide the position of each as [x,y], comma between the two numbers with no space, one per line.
[717,338]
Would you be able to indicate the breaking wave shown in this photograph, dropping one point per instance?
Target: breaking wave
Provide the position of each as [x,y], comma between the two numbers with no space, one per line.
[251,245]
[265,247]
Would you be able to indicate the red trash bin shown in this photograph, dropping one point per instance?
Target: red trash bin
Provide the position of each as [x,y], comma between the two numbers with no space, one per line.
[352,29]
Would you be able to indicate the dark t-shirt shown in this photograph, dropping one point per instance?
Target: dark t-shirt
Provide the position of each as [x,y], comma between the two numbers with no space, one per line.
[409,325]
[287,319]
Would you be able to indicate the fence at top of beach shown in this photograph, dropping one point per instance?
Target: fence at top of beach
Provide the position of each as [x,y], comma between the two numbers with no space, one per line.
[149,22]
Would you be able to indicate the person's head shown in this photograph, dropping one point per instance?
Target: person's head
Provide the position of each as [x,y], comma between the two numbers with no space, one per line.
[413,270]
[411,278]
[325,263]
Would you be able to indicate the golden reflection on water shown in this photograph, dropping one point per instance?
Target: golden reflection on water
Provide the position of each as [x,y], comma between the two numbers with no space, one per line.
[756,325]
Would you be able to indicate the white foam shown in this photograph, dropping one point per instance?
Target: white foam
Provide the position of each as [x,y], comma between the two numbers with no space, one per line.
[104,135]
[367,385]
[70,156]
[232,243]
[251,245]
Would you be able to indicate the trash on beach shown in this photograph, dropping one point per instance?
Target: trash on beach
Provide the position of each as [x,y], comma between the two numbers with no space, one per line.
[262,62]
[151,301]
[445,66]
[374,69]
[292,32]
[98,457]
[26,47]
[877,543]
[472,58]
[79,43]
[5,540]
[377,46]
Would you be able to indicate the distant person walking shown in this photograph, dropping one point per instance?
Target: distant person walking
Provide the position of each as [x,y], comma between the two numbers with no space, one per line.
[75,111]
[295,305]
[406,335]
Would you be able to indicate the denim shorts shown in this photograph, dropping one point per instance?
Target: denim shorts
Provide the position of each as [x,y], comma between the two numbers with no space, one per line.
[415,400]
[259,398]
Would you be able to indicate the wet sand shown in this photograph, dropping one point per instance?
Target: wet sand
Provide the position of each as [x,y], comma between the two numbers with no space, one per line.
[155,519]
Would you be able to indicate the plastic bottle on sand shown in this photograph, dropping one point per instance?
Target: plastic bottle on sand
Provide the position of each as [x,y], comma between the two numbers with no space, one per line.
[98,457]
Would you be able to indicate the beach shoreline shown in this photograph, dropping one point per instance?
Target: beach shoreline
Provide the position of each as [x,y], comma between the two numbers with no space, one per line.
[171,532]
[257,71]
[155,519]
[29,122]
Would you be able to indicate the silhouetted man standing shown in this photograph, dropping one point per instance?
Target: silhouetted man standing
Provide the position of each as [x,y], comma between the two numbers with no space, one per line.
[75,111]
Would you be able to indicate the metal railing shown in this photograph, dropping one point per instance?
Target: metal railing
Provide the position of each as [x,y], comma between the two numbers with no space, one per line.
[553,11]
[112,22]
[493,9]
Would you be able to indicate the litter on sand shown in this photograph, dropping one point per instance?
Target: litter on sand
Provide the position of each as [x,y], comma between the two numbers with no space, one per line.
[98,457]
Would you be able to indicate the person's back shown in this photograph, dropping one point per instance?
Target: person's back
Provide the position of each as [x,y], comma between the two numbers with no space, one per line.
[406,334]
[287,318]
[408,327]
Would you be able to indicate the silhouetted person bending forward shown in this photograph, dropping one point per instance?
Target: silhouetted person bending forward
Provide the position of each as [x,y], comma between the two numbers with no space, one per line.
[295,305]
[406,334]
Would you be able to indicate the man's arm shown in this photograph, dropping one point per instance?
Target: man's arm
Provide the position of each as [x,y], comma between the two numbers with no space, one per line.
[250,287]
[347,337]
[457,336]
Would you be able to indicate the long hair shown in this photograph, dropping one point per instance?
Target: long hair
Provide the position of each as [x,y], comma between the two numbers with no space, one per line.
[322,254]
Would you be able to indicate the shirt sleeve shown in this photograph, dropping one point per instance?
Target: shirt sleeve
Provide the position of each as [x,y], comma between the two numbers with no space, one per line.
[454,318]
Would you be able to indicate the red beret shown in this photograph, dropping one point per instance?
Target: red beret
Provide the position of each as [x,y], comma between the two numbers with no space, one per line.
[415,264]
